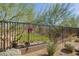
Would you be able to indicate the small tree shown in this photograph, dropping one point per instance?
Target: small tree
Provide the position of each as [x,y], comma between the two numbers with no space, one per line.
[54,15]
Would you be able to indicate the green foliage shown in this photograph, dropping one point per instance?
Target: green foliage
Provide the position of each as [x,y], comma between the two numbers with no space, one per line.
[55,32]
[69,46]
[51,48]
[32,37]
[16,12]
[70,22]
[55,13]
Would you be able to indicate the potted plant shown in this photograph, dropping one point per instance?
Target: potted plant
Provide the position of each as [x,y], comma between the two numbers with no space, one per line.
[27,44]
[14,44]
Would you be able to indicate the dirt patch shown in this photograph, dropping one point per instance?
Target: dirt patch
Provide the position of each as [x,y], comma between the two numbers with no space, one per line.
[59,52]
[41,52]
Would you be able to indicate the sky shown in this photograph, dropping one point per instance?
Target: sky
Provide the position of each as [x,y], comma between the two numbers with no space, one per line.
[75,7]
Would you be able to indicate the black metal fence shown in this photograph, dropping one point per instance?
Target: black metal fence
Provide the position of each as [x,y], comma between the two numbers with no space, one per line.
[9,32]
[25,33]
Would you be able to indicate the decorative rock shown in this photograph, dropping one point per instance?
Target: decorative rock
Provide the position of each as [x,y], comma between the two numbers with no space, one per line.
[11,52]
[77,40]
[76,49]
[69,46]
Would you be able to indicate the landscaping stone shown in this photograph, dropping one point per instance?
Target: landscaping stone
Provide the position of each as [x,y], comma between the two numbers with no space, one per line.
[77,40]
[11,52]
[76,49]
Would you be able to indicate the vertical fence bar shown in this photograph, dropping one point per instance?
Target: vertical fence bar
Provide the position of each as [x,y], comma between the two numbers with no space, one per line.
[7,34]
[17,32]
[28,34]
[4,35]
[49,33]
[10,34]
[1,37]
[19,29]
[62,36]
[24,31]
[13,33]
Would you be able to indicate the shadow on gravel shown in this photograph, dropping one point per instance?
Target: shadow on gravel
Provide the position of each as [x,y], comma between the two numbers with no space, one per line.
[44,55]
[66,51]
[77,53]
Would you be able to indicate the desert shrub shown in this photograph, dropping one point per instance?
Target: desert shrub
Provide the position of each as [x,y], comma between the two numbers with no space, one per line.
[70,38]
[51,48]
[69,46]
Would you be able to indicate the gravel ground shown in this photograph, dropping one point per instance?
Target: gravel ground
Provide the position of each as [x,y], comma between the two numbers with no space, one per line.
[41,52]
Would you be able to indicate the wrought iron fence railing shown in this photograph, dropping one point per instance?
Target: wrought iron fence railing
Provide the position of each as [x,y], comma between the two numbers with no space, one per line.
[21,33]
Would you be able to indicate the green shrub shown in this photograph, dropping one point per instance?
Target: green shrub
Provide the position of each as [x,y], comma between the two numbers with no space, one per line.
[69,46]
[51,48]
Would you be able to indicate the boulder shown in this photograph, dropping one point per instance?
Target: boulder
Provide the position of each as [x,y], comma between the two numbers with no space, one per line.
[76,49]
[11,52]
